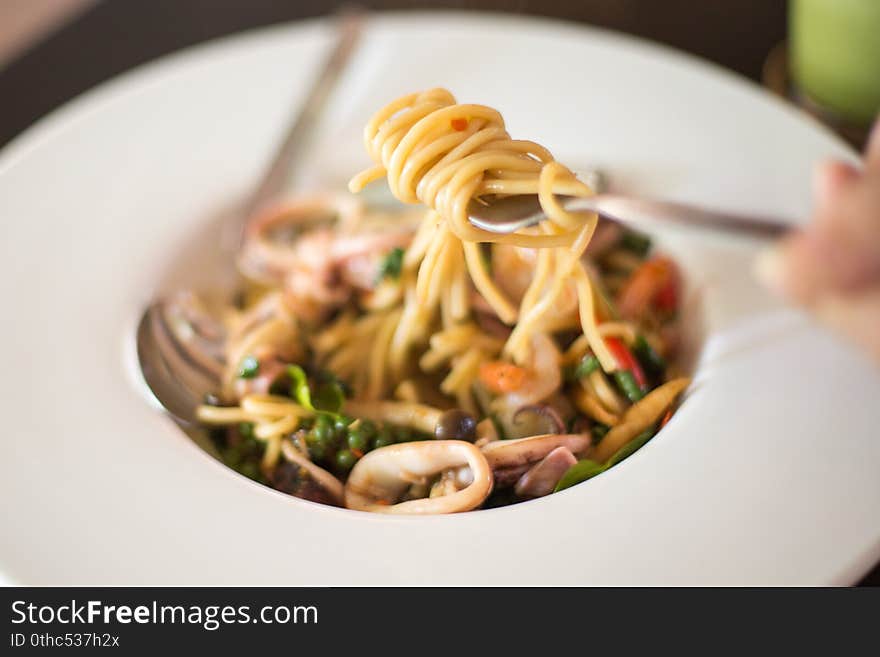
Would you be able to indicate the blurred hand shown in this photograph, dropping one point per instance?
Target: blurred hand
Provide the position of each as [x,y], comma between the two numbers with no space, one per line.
[832,268]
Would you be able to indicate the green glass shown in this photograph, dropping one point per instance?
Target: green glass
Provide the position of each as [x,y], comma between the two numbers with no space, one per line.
[835,55]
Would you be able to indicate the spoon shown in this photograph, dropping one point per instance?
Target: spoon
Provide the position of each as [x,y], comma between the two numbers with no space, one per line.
[168,328]
[511,213]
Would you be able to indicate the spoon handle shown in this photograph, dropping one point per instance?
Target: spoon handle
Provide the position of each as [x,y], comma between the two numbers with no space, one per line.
[644,213]
[302,127]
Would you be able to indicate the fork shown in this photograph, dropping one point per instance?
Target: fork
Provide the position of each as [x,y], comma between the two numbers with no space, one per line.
[511,213]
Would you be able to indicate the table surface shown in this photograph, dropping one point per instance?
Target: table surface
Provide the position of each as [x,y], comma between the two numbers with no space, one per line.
[115,35]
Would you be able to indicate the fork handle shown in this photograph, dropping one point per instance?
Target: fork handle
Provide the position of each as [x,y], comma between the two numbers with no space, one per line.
[645,213]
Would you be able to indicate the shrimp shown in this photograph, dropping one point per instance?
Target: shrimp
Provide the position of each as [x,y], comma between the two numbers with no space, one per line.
[542,379]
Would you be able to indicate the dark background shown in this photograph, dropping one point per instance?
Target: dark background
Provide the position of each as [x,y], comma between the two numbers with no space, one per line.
[119,34]
[116,35]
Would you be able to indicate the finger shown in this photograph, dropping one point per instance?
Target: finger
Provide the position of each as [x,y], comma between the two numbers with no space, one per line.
[830,178]
[813,263]
[847,208]
[872,151]
[786,268]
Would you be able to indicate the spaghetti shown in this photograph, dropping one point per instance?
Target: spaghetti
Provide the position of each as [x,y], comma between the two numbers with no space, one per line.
[364,327]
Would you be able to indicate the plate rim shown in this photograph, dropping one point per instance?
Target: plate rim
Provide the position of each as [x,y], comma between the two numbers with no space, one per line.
[66,115]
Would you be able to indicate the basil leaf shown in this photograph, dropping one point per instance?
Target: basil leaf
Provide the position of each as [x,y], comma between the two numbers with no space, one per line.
[630,448]
[299,386]
[328,397]
[580,471]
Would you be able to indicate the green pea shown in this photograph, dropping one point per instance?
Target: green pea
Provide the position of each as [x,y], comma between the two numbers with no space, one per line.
[322,432]
[345,460]
[248,368]
[357,439]
[383,438]
[318,451]
[340,424]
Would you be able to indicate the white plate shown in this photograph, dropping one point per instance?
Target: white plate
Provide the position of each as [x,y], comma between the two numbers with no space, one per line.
[768,475]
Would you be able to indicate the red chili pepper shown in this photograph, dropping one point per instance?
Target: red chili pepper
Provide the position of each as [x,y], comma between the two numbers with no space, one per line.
[626,360]
[459,124]
[666,299]
[666,418]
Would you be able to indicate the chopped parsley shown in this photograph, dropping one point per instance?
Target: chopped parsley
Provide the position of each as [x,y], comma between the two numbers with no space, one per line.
[392,264]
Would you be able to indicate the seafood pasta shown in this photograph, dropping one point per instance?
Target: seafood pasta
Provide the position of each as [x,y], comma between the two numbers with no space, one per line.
[397,359]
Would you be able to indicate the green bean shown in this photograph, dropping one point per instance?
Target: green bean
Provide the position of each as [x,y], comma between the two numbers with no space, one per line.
[631,447]
[580,471]
[586,366]
[628,386]
[650,360]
